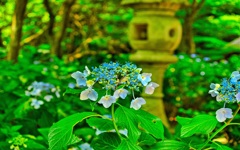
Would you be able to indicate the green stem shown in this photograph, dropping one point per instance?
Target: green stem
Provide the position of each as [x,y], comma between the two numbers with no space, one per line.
[234,124]
[114,122]
[220,129]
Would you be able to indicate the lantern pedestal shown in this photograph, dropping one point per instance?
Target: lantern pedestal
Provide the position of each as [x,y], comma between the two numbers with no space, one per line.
[155,33]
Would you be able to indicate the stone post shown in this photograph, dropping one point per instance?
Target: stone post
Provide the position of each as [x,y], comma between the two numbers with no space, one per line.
[155,33]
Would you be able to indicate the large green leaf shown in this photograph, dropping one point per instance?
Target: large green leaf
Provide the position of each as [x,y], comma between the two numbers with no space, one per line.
[106,141]
[60,134]
[149,123]
[203,124]
[146,139]
[170,145]
[100,123]
[125,118]
[128,145]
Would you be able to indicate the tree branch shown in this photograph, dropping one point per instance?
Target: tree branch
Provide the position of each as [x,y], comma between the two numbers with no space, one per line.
[34,36]
[51,17]
[16,33]
[64,11]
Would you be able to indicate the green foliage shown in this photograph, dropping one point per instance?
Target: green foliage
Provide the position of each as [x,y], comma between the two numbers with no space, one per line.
[170,144]
[187,81]
[60,135]
[106,141]
[96,33]
[203,124]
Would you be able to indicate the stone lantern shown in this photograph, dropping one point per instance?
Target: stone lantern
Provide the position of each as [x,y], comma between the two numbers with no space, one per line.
[155,33]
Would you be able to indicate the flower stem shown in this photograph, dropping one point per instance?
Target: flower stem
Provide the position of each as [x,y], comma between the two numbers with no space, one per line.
[114,122]
[220,129]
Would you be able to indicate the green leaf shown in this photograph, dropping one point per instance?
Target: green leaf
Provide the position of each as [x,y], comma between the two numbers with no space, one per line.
[100,123]
[203,124]
[60,134]
[31,144]
[16,127]
[125,118]
[170,145]
[128,145]
[44,132]
[72,91]
[218,146]
[106,141]
[146,139]
[183,120]
[149,123]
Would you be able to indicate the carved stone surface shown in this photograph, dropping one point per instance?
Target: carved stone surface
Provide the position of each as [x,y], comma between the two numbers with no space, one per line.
[155,33]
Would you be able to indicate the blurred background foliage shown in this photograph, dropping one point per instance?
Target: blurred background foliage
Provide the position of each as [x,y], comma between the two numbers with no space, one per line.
[95,31]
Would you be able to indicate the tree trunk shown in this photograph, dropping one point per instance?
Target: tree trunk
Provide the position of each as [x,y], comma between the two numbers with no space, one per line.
[1,41]
[187,44]
[16,33]
[56,43]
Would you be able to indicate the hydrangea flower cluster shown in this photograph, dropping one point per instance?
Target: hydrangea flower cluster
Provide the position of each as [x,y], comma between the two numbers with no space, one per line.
[118,81]
[228,92]
[40,92]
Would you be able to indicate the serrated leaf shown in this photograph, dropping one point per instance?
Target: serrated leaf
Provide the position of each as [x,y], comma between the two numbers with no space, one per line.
[60,134]
[128,145]
[150,123]
[127,119]
[100,123]
[106,141]
[170,145]
[203,124]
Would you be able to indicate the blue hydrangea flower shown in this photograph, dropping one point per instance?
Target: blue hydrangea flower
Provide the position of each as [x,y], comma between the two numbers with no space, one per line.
[107,100]
[115,78]
[228,89]
[193,55]
[48,98]
[121,93]
[137,103]
[80,78]
[71,85]
[41,86]
[36,92]
[85,146]
[36,103]
[151,87]
[145,78]
[89,94]
[86,72]
[206,58]
[214,92]
[220,97]
[56,90]
[235,76]
[223,114]
[238,97]
[122,131]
